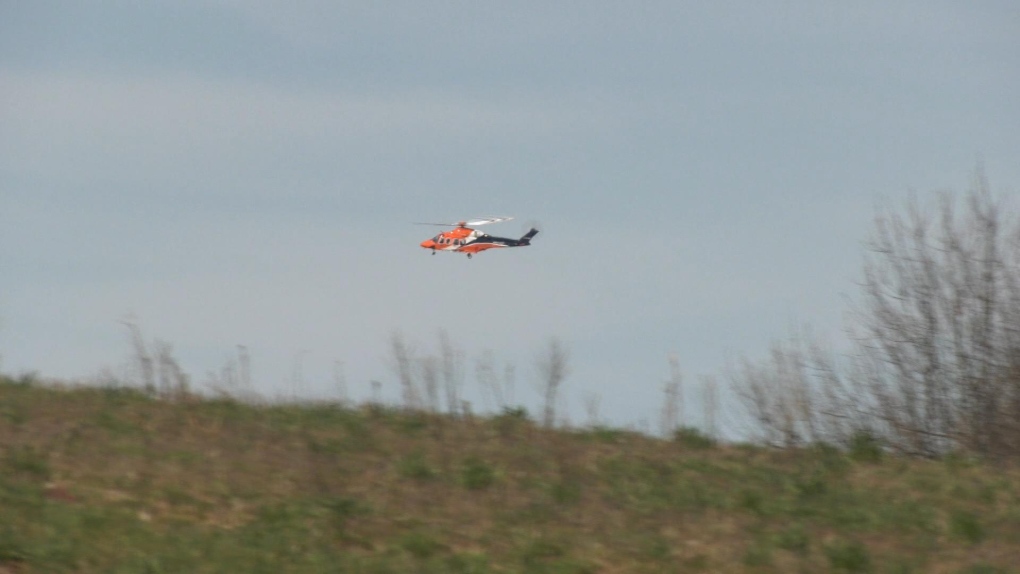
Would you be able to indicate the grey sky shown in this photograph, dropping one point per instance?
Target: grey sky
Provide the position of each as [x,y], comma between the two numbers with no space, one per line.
[240,172]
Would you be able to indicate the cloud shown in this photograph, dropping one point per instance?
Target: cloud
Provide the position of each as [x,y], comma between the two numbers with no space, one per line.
[233,134]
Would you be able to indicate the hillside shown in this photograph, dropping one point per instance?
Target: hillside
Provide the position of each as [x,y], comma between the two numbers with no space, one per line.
[113,480]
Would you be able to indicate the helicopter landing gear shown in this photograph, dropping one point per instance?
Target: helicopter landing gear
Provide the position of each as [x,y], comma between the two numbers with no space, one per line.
[433,251]
[469,255]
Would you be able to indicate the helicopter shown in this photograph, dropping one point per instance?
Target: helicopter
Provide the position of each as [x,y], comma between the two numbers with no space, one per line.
[464,239]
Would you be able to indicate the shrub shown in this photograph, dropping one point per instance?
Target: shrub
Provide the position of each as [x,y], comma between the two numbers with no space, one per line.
[12,551]
[813,486]
[539,552]
[516,413]
[758,554]
[848,556]
[26,380]
[421,545]
[412,424]
[966,526]
[831,458]
[865,447]
[794,539]
[693,438]
[605,434]
[467,563]
[696,563]
[414,466]
[982,569]
[510,420]
[28,461]
[477,474]
[342,508]
[566,491]
[751,500]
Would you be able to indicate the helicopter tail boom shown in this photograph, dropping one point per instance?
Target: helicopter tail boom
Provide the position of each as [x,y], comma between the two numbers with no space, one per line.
[526,238]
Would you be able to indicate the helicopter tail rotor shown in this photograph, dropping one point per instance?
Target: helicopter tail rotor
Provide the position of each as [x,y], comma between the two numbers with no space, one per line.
[526,239]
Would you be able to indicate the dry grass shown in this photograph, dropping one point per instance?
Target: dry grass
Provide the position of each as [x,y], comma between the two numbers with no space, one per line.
[110,480]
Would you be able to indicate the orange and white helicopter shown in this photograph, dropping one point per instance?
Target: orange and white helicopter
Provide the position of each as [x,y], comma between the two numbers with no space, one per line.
[464,239]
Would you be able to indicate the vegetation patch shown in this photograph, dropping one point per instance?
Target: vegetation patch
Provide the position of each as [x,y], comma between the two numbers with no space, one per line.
[693,438]
[94,481]
[27,461]
[794,538]
[966,526]
[866,447]
[416,467]
[848,556]
[421,544]
[476,474]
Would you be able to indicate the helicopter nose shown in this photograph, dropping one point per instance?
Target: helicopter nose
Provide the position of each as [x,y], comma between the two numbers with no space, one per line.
[428,244]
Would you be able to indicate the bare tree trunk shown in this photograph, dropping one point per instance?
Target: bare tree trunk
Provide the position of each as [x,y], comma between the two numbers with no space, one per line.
[592,401]
[173,383]
[710,400]
[146,369]
[673,399]
[553,368]
[485,374]
[452,361]
[403,364]
[429,373]
[244,373]
[340,382]
[509,380]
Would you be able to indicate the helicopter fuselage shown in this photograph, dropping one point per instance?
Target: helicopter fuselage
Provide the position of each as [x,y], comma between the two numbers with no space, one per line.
[471,241]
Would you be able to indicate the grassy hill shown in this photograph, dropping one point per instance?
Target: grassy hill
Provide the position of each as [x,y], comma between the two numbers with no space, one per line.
[113,480]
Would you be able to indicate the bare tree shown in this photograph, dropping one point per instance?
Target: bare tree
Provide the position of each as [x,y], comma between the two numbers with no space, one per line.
[509,382]
[340,381]
[485,374]
[710,399]
[297,377]
[143,360]
[938,329]
[778,394]
[498,386]
[428,372]
[592,402]
[403,364]
[234,377]
[553,368]
[673,400]
[159,371]
[801,393]
[223,383]
[452,363]
[173,382]
[936,357]
[244,372]
[376,400]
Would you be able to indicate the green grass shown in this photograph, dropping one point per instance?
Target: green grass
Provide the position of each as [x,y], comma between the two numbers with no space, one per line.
[848,556]
[113,480]
[693,438]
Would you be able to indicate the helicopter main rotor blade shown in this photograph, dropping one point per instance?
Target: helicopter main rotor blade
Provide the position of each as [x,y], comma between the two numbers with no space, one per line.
[483,221]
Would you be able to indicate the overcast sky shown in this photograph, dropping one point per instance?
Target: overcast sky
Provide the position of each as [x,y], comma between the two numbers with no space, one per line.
[239,172]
